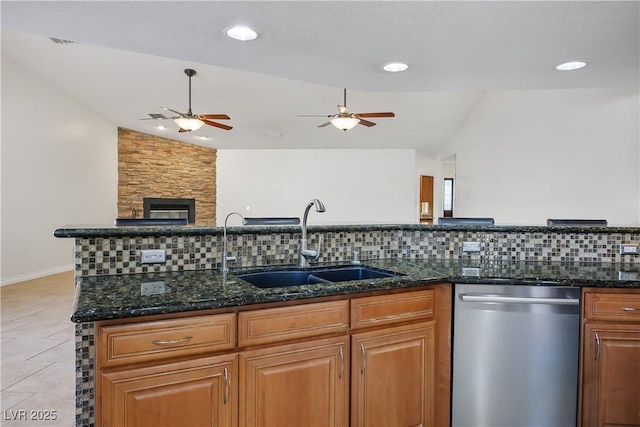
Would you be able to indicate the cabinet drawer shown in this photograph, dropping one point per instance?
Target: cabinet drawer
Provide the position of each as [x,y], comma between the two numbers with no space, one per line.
[389,309]
[290,323]
[150,341]
[617,306]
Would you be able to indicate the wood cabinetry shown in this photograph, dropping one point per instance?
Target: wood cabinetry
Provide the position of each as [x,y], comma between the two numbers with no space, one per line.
[365,361]
[610,358]
[146,378]
[392,368]
[393,376]
[187,393]
[304,384]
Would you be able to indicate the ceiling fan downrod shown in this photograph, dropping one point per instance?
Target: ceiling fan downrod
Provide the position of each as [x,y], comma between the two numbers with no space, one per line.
[190,73]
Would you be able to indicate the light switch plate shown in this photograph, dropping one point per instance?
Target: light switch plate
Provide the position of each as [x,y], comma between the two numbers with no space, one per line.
[152,256]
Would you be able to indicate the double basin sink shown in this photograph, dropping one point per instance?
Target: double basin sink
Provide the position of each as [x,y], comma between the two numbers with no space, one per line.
[284,278]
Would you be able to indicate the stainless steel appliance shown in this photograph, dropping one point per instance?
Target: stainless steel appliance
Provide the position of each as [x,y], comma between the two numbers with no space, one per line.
[515,356]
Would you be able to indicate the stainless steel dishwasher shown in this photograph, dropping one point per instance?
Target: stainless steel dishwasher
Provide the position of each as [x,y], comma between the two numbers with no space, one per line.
[515,356]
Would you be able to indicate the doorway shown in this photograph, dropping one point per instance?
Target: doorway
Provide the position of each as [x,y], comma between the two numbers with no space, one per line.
[426,199]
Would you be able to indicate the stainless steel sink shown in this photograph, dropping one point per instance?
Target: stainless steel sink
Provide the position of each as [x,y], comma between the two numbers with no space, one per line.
[284,278]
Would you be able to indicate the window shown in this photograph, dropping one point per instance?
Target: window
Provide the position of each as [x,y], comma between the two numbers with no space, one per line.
[448,197]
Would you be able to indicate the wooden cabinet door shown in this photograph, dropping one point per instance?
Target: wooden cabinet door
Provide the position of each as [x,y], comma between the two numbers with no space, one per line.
[611,382]
[304,384]
[393,376]
[200,392]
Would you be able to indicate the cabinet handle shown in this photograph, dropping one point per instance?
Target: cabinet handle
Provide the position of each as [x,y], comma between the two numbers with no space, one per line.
[364,358]
[341,363]
[160,342]
[597,355]
[628,309]
[227,384]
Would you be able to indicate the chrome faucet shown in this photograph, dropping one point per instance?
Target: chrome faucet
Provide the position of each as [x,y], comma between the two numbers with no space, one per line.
[226,258]
[306,254]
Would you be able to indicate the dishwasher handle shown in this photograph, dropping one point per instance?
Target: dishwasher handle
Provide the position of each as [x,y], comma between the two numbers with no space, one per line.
[518,300]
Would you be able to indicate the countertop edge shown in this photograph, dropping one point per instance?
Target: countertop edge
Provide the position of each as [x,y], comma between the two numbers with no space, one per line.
[88,231]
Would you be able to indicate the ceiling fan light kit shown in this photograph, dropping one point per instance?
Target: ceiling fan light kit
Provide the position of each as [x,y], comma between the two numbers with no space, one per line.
[345,123]
[189,124]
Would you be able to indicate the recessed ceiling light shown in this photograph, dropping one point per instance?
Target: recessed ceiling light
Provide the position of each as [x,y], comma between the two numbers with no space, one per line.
[242,33]
[395,67]
[161,127]
[570,66]
[202,137]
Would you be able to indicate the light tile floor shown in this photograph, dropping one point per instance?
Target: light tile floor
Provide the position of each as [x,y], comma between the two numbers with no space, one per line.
[37,352]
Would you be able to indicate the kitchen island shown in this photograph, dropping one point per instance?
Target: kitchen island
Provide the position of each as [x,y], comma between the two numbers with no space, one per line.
[110,280]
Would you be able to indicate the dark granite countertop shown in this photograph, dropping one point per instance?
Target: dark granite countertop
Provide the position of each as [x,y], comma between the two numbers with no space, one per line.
[124,296]
[200,230]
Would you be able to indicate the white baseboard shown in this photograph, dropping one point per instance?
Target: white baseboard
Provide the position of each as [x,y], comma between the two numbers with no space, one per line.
[35,275]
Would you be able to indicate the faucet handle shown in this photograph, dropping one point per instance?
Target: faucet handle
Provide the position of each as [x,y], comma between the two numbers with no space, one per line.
[355,260]
[311,254]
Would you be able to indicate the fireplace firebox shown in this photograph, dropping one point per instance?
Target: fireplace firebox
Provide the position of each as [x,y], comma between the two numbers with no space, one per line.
[169,208]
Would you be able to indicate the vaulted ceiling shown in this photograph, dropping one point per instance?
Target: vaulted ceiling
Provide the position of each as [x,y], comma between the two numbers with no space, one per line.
[129,60]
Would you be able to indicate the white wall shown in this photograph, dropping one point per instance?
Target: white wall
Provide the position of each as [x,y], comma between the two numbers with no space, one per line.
[356,186]
[525,156]
[59,167]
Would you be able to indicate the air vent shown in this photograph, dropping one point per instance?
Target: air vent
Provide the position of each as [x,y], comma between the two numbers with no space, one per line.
[157,116]
[62,41]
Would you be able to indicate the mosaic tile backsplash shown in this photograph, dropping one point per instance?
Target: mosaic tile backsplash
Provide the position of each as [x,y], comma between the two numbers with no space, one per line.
[121,255]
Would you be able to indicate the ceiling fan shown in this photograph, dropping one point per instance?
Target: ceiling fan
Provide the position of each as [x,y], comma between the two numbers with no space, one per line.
[189,121]
[346,120]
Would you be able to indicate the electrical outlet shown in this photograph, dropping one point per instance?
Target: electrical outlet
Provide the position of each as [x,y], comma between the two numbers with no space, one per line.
[629,249]
[152,288]
[470,272]
[470,246]
[152,256]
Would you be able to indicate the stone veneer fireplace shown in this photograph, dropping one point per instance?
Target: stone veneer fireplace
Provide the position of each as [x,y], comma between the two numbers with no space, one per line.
[150,167]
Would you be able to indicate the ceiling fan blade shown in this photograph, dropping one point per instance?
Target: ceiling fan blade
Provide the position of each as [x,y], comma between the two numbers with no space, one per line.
[324,124]
[385,114]
[218,125]
[366,123]
[173,111]
[215,116]
[313,115]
